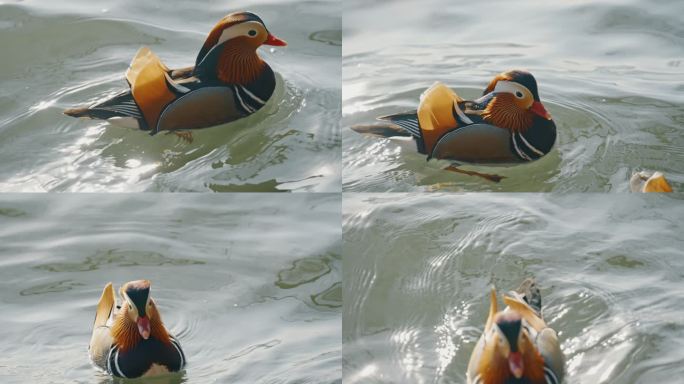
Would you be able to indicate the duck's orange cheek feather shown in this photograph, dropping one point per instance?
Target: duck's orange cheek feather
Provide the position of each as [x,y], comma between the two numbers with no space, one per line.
[503,112]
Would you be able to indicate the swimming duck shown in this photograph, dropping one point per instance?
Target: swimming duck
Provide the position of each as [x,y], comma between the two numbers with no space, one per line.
[130,340]
[517,346]
[508,124]
[229,81]
[645,181]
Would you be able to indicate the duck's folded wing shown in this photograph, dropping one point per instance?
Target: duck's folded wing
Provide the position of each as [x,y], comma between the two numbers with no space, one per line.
[101,339]
[527,313]
[657,183]
[438,112]
[554,363]
[472,375]
[205,107]
[151,85]
[545,338]
[477,143]
[472,372]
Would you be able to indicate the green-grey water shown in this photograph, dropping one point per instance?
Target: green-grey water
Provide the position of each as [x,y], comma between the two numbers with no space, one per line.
[60,54]
[417,272]
[252,284]
[250,293]
[610,73]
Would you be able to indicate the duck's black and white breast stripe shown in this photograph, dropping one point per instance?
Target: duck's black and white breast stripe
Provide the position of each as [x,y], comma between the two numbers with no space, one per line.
[247,101]
[536,141]
[523,148]
[113,362]
[176,345]
[137,361]
[549,376]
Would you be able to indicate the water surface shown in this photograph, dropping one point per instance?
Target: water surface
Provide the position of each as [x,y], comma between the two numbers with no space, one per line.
[251,295]
[66,53]
[610,73]
[417,273]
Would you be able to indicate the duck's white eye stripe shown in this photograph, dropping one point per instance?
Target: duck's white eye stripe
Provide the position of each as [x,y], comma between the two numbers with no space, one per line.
[503,86]
[241,29]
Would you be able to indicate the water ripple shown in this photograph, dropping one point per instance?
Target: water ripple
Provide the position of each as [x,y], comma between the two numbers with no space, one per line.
[418,269]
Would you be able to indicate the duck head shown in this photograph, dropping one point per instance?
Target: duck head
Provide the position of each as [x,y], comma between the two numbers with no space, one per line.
[229,52]
[514,101]
[645,181]
[508,328]
[509,352]
[138,318]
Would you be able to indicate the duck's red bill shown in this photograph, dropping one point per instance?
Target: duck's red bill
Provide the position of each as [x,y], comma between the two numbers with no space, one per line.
[515,363]
[538,108]
[272,40]
[144,327]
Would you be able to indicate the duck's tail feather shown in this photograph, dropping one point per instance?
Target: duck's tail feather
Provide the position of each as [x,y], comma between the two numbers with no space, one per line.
[493,308]
[77,112]
[381,130]
[105,306]
[401,124]
[121,105]
[408,121]
[531,294]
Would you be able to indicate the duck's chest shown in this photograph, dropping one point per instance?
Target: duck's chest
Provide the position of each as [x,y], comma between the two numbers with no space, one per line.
[522,380]
[508,380]
[209,103]
[156,369]
[148,358]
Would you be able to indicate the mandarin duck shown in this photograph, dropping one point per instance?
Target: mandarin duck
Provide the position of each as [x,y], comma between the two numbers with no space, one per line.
[508,124]
[130,340]
[229,81]
[649,182]
[517,346]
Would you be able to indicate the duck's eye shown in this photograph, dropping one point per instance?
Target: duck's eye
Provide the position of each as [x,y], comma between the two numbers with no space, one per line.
[252,32]
[518,94]
[130,307]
